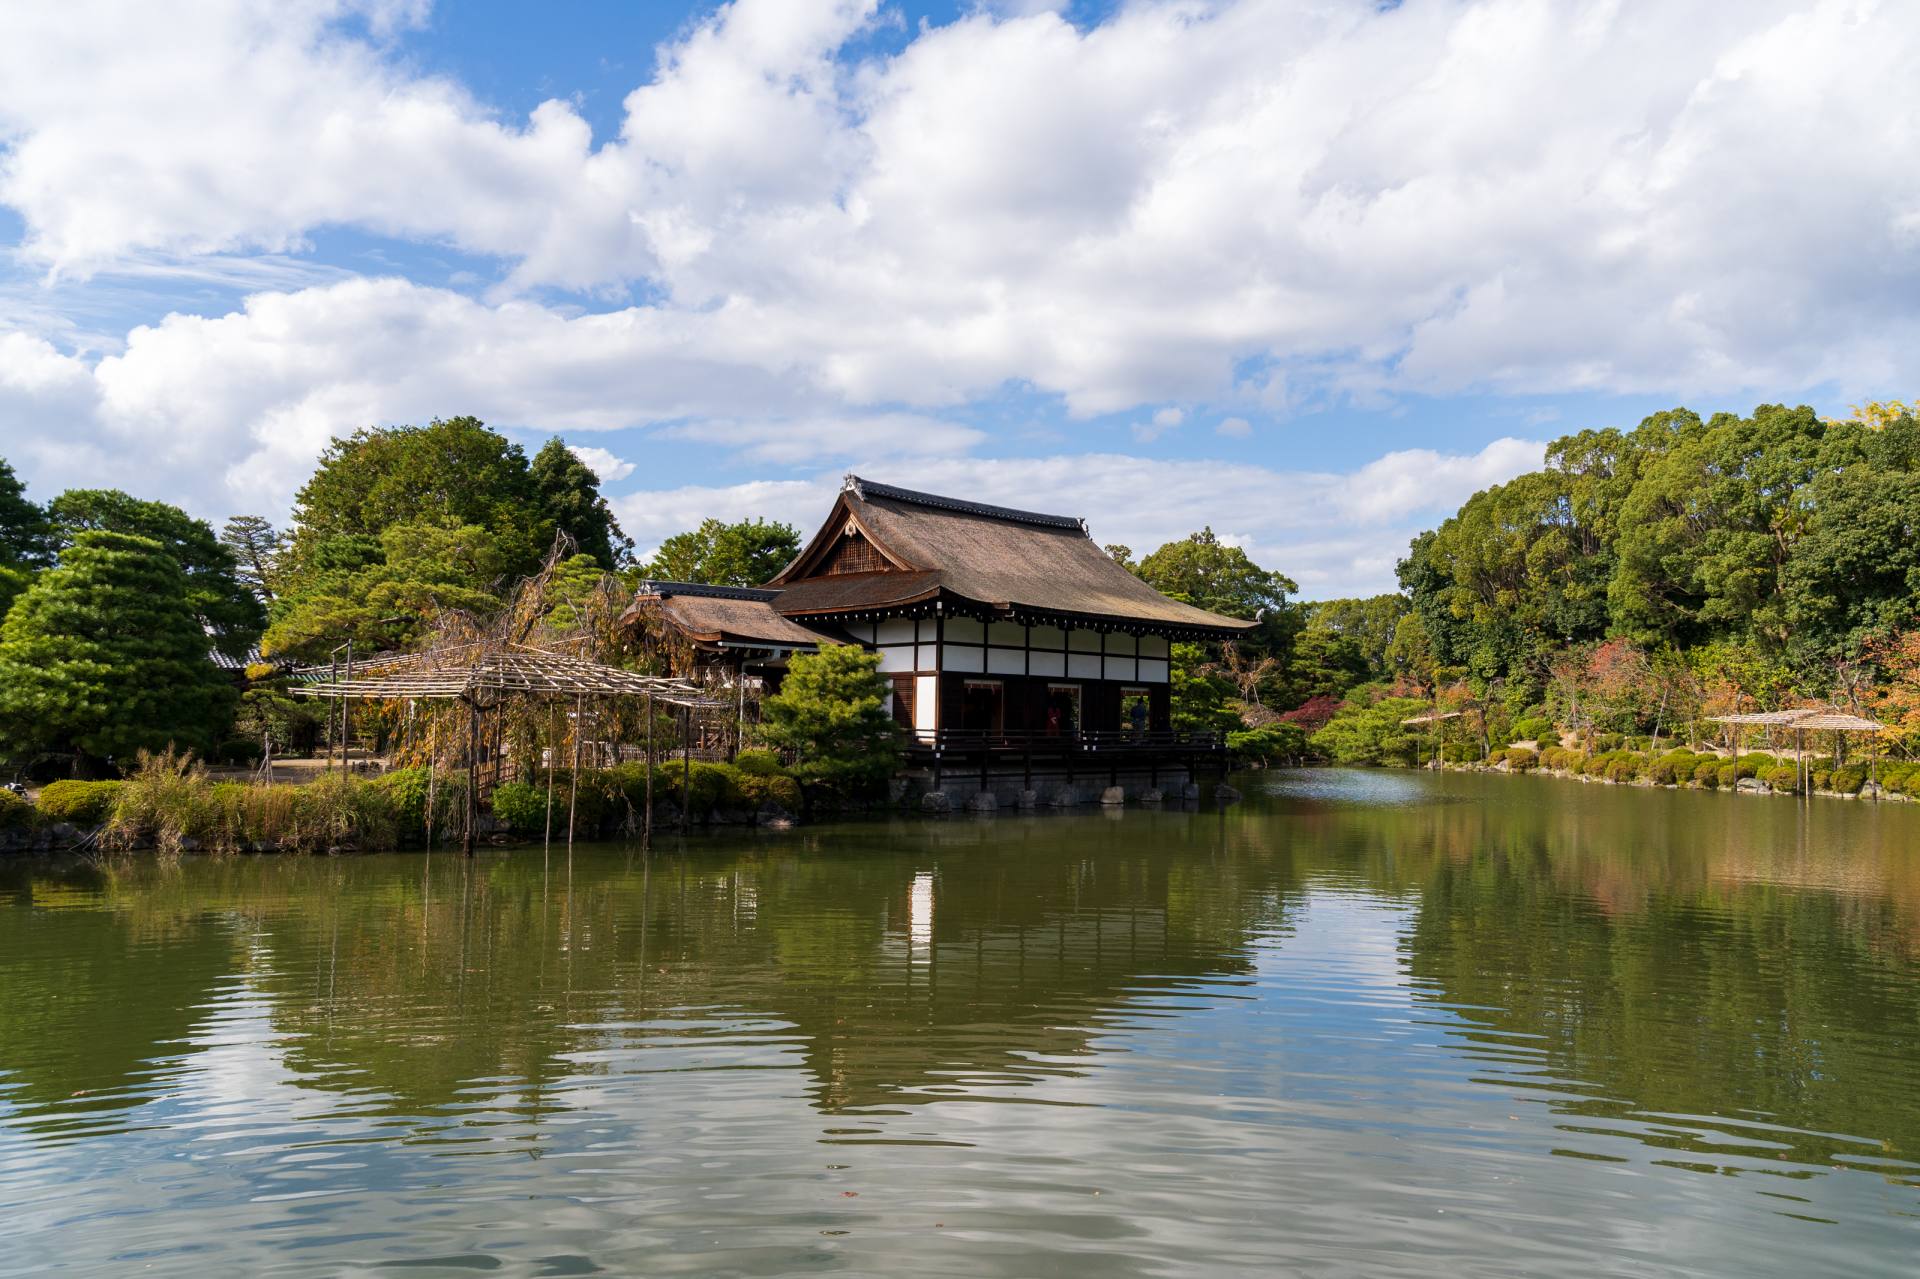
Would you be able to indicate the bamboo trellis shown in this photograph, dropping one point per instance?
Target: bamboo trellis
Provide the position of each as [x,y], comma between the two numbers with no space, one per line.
[482,675]
[1802,720]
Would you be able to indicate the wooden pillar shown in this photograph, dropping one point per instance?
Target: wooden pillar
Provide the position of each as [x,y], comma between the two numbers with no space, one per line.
[646,830]
[573,787]
[686,767]
[553,746]
[473,775]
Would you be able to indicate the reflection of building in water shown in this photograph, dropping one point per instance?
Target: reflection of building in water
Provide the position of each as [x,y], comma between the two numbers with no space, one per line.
[891,975]
[920,914]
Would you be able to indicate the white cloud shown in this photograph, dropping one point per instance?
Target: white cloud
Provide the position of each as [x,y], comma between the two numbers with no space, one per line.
[1234,428]
[1532,194]
[1334,534]
[607,468]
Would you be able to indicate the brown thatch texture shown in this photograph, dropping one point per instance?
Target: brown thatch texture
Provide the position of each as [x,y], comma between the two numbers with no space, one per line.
[712,620]
[1007,560]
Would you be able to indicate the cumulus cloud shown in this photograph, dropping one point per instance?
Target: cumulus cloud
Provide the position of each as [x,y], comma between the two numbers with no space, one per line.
[1443,193]
[606,467]
[1247,207]
[1336,534]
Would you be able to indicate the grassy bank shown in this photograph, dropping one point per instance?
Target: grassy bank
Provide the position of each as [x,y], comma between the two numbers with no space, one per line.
[172,804]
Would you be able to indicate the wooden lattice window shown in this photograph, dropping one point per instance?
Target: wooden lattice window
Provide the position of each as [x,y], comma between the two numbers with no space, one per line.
[855,554]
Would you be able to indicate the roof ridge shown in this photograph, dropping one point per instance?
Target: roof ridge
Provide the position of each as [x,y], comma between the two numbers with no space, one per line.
[865,489]
[665,589]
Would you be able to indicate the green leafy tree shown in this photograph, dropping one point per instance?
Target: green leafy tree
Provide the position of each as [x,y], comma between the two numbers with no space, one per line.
[453,473]
[1207,573]
[746,553]
[25,537]
[570,498]
[1369,623]
[830,718]
[105,655]
[400,524]
[1368,730]
[25,533]
[381,593]
[230,614]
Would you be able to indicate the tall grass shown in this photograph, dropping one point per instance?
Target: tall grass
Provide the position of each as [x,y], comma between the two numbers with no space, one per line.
[170,802]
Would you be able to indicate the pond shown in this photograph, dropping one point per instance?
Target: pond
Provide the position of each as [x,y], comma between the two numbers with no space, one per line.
[1364,1022]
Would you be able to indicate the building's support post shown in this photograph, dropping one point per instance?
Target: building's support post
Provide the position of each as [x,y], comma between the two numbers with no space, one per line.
[740,714]
[646,830]
[686,767]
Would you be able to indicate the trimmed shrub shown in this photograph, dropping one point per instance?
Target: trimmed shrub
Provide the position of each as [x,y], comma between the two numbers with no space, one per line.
[81,803]
[761,790]
[1707,773]
[1847,779]
[1536,728]
[1623,770]
[1784,778]
[759,763]
[1522,760]
[16,812]
[1675,768]
[1459,753]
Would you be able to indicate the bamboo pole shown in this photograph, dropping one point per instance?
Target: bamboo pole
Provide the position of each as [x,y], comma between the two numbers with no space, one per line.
[553,734]
[686,767]
[573,786]
[473,776]
[646,834]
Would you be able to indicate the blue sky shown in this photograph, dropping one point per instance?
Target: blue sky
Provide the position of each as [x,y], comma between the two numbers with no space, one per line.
[1310,273]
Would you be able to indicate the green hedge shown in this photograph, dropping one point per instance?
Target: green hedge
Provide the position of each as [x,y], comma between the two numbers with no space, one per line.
[81,803]
[16,813]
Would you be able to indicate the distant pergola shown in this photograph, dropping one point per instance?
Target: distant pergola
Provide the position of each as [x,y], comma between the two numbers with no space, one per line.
[483,675]
[1431,717]
[1801,720]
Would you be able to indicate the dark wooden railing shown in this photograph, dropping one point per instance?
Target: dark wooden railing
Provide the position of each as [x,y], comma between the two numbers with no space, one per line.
[1117,741]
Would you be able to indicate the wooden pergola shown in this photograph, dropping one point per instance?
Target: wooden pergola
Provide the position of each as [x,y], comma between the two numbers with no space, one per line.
[483,675]
[1431,717]
[1801,720]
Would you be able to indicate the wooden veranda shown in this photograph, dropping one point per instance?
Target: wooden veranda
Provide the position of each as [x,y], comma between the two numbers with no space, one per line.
[486,676]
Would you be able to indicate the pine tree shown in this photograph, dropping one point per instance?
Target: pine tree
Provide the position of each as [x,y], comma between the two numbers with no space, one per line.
[104,655]
[830,717]
[255,547]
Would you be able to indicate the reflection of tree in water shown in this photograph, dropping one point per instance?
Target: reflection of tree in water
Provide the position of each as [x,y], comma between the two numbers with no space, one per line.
[406,981]
[90,998]
[1699,987]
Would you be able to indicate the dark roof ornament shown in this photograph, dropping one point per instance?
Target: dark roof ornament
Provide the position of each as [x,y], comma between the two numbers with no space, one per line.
[866,490]
[666,590]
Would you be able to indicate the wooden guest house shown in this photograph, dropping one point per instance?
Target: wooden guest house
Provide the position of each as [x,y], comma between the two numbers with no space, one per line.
[1019,653]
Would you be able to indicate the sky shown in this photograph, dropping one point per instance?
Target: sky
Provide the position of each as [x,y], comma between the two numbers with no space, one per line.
[1309,272]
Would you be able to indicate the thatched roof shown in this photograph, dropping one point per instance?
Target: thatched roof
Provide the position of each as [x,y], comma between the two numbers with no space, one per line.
[1806,718]
[470,670]
[1020,562]
[728,616]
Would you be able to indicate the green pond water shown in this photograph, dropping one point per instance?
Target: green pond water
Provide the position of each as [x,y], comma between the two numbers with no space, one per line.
[1363,1023]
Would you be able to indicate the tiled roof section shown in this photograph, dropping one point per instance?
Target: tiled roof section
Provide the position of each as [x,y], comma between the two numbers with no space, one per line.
[1042,565]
